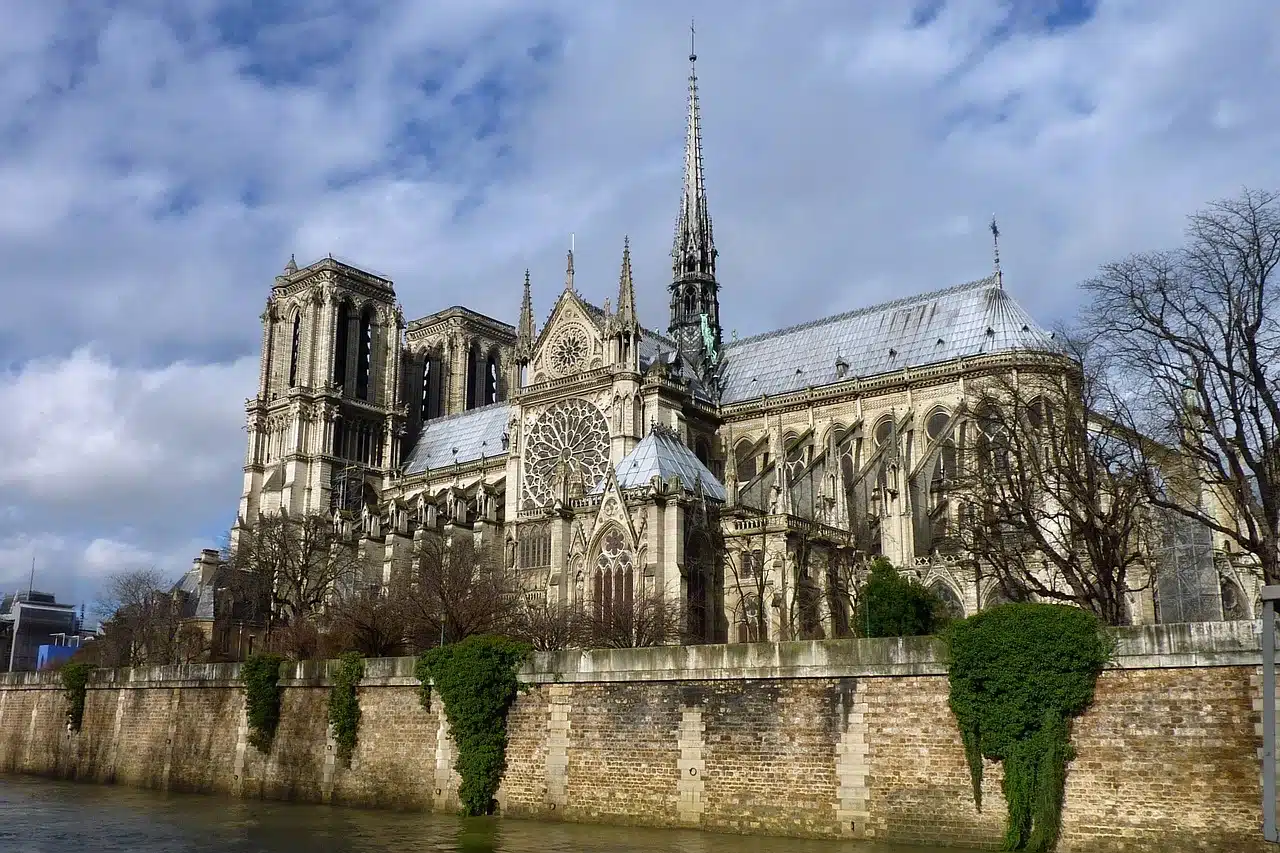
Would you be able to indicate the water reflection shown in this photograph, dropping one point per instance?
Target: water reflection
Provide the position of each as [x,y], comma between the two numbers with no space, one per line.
[42,816]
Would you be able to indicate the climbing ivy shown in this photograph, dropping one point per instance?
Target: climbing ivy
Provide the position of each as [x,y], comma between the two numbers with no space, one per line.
[344,704]
[1019,673]
[261,677]
[477,682]
[75,682]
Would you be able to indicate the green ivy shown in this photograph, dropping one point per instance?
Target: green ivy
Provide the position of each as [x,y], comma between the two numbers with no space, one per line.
[75,682]
[261,677]
[344,704]
[477,682]
[1019,673]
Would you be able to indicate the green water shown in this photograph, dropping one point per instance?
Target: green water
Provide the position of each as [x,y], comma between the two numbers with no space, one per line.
[42,816]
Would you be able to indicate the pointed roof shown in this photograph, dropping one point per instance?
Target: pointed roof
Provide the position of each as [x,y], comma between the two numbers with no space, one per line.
[662,454]
[525,328]
[626,289]
[694,250]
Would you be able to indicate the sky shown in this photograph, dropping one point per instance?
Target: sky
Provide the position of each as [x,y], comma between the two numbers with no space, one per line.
[161,161]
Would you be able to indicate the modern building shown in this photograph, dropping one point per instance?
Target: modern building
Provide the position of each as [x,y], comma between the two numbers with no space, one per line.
[30,621]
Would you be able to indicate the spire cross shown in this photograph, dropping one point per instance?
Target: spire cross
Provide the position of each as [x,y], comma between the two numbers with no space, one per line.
[995,243]
[693,56]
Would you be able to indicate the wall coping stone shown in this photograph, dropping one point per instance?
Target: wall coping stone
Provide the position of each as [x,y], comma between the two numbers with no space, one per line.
[1199,644]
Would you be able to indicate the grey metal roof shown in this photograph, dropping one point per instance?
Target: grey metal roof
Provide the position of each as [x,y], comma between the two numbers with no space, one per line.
[460,438]
[662,454]
[972,319]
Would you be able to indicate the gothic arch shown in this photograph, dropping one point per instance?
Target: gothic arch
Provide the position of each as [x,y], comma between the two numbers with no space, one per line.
[434,370]
[698,561]
[364,352]
[295,346]
[492,376]
[613,573]
[1235,606]
[744,460]
[343,319]
[949,597]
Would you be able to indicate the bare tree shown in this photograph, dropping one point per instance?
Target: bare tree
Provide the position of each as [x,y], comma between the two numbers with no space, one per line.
[747,576]
[455,589]
[140,619]
[636,619]
[1194,336]
[549,626]
[295,564]
[1053,495]
[367,621]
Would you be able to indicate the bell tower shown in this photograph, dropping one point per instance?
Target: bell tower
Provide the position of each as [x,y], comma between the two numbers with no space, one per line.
[323,425]
[695,293]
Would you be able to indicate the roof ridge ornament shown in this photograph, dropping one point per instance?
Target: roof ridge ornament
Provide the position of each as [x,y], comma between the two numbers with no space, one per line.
[995,243]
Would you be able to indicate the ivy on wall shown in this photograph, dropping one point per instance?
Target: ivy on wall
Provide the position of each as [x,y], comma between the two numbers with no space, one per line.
[261,677]
[477,682]
[1019,673]
[344,704]
[75,683]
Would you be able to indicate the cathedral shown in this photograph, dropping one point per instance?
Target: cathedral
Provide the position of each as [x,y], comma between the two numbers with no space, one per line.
[606,459]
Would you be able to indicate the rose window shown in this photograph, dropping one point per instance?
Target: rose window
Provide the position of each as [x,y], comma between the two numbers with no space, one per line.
[568,350]
[569,440]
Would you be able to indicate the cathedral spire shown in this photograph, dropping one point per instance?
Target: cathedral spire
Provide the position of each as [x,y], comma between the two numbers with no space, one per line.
[525,329]
[626,290]
[695,300]
[694,250]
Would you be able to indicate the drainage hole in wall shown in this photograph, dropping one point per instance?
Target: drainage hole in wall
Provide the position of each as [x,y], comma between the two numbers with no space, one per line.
[330,748]
[553,806]
[853,826]
[693,771]
[437,791]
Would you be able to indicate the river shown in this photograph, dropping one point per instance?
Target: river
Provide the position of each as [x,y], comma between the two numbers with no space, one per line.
[44,816]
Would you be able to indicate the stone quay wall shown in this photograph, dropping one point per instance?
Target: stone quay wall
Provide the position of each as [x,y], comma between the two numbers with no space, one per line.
[837,739]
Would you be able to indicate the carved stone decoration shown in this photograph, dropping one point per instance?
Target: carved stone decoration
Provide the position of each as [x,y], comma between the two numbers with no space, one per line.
[571,437]
[568,350]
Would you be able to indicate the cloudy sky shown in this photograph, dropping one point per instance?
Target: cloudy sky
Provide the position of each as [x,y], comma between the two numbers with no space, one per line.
[160,161]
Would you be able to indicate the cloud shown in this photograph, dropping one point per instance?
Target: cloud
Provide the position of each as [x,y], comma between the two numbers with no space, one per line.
[161,160]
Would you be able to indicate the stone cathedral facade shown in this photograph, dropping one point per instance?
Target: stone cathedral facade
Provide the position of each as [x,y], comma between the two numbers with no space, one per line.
[606,458]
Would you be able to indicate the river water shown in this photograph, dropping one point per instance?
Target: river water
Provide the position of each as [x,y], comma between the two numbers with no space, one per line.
[43,816]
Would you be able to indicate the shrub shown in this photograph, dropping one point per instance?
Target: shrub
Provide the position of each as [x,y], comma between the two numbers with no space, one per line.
[890,605]
[1019,673]
[75,683]
[477,682]
[261,676]
[344,704]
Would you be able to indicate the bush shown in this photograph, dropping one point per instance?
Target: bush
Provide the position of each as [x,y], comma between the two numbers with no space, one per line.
[344,704]
[75,683]
[477,682]
[890,605]
[261,676]
[1019,673]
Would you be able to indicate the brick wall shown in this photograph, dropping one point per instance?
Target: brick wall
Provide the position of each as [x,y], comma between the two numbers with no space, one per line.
[826,739]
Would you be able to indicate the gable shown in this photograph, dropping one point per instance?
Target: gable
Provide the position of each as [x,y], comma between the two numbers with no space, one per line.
[571,341]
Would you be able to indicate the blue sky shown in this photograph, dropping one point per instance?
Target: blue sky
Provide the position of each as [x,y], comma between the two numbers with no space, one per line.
[160,162]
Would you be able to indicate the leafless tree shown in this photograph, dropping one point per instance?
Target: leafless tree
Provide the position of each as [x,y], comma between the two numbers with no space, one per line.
[140,619]
[455,589]
[551,626]
[1052,494]
[295,564]
[636,619]
[746,574]
[1194,336]
[367,621]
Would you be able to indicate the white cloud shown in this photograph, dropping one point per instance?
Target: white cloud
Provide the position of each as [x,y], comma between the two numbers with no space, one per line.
[159,173]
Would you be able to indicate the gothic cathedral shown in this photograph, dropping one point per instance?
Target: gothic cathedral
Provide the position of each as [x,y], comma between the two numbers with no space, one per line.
[606,460]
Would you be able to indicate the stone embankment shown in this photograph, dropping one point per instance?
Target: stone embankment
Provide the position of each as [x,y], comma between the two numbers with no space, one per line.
[831,739]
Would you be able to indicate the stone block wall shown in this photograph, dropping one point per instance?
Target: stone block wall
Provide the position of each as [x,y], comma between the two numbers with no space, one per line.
[837,739]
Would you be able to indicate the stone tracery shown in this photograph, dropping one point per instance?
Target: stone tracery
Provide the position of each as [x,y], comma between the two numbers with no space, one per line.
[570,439]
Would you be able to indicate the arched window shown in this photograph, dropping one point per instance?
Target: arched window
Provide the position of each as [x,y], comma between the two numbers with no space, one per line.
[293,349]
[936,424]
[751,627]
[697,559]
[614,580]
[948,599]
[884,430]
[690,300]
[702,450]
[341,340]
[744,461]
[364,354]
[491,378]
[474,369]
